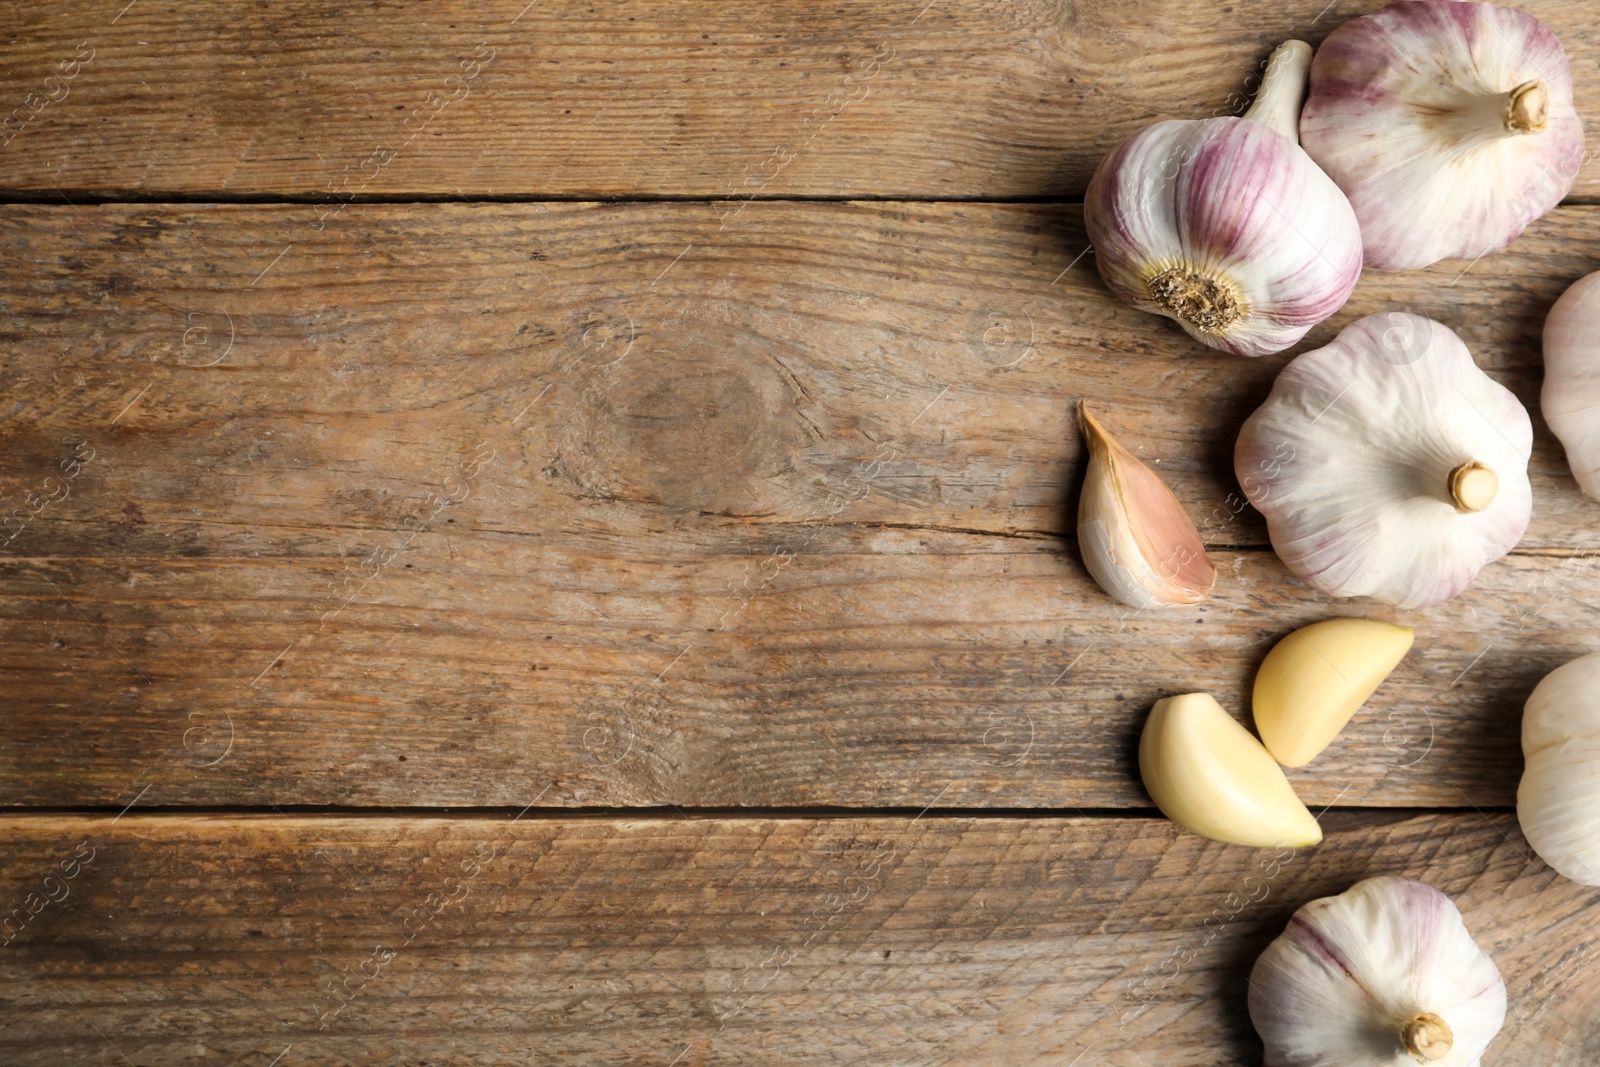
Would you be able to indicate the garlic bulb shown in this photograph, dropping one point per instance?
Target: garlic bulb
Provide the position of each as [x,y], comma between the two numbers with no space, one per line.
[1558,802]
[1384,974]
[1313,681]
[1225,224]
[1209,775]
[1449,126]
[1387,464]
[1571,396]
[1136,539]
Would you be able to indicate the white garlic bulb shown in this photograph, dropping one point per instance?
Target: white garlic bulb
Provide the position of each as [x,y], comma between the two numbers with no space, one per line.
[1384,974]
[1136,539]
[1449,126]
[1571,396]
[1558,802]
[1387,464]
[1225,224]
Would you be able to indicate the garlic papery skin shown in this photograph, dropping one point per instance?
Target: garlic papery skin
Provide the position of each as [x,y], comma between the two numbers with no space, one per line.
[1450,127]
[1558,802]
[1225,225]
[1387,464]
[1136,539]
[1313,681]
[1208,774]
[1383,975]
[1570,399]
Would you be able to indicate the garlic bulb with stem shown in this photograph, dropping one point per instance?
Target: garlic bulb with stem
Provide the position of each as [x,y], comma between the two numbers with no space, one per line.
[1136,539]
[1450,127]
[1225,224]
[1387,464]
[1558,802]
[1382,975]
[1570,399]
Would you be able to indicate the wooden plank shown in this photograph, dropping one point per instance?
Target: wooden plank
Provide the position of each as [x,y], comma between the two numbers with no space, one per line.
[446,505]
[982,941]
[948,341]
[955,98]
[889,668]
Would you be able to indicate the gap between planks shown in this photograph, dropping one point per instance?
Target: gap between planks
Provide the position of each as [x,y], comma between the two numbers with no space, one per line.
[673,813]
[167,197]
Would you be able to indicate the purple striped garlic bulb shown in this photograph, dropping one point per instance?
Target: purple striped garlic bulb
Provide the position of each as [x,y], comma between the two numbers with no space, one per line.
[1384,974]
[1225,224]
[1387,464]
[1449,126]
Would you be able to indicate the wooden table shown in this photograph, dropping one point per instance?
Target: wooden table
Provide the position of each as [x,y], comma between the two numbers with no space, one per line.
[543,534]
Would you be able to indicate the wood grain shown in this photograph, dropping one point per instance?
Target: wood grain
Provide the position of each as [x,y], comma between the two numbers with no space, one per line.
[895,941]
[721,502]
[908,99]
[446,505]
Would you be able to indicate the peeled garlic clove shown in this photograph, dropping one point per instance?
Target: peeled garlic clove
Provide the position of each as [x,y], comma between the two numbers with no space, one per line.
[1314,680]
[1381,975]
[1571,396]
[1449,126]
[1387,464]
[1136,539]
[1208,774]
[1225,224]
[1558,802]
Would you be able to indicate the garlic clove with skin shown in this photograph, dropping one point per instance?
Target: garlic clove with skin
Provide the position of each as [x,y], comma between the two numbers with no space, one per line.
[1382,975]
[1387,464]
[1450,127]
[1225,225]
[1137,541]
[1315,679]
[1570,399]
[1208,774]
